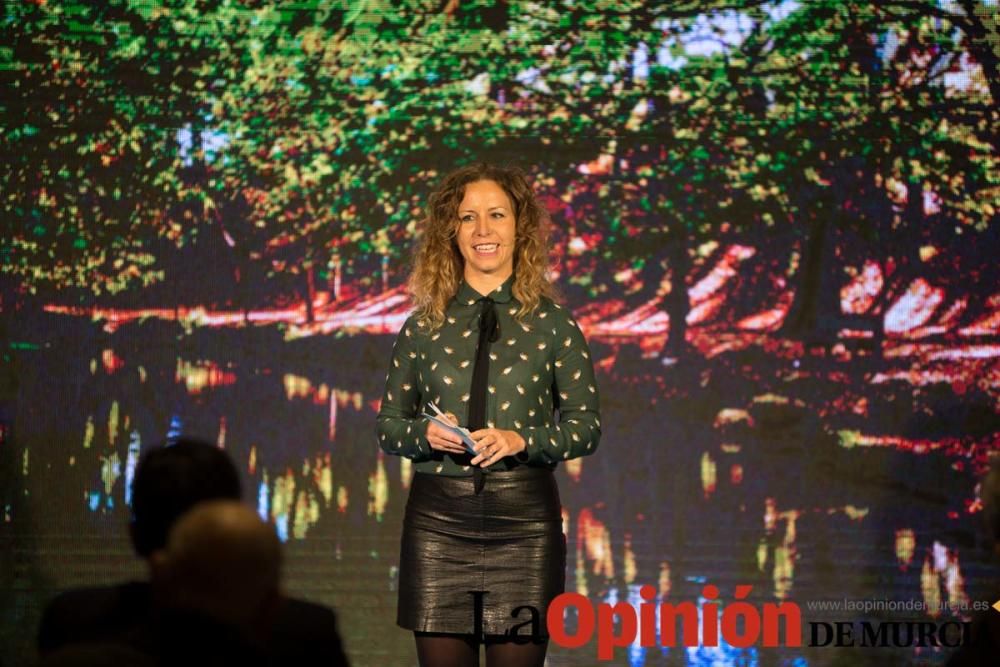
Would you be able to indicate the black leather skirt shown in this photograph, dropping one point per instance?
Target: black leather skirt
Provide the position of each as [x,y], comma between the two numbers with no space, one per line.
[484,563]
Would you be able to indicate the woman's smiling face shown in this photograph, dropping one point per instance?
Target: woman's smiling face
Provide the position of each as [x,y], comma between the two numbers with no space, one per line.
[486,232]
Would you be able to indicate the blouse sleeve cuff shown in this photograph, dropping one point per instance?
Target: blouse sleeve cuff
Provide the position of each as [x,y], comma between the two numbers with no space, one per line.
[532,451]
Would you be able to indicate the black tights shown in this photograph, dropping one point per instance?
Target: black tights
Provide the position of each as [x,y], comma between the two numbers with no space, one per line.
[437,649]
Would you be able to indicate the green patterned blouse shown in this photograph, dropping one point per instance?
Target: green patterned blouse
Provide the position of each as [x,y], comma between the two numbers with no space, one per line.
[535,368]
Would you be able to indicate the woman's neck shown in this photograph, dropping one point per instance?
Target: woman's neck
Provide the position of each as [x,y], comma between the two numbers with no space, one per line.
[484,283]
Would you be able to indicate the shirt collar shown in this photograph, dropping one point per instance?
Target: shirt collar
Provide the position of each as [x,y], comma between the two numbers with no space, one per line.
[467,296]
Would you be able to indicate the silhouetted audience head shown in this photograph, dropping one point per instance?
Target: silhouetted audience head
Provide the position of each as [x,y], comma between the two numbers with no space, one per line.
[989,492]
[221,561]
[169,480]
[213,597]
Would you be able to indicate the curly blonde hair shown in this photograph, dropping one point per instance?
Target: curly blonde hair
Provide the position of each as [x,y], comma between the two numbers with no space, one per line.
[438,266]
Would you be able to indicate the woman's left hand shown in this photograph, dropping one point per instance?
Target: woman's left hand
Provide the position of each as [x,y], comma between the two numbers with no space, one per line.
[492,444]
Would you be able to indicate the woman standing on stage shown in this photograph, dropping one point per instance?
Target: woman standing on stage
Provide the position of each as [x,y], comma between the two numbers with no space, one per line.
[483,552]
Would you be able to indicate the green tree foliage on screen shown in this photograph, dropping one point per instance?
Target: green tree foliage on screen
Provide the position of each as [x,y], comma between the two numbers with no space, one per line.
[94,96]
[887,131]
[343,116]
[825,120]
[300,136]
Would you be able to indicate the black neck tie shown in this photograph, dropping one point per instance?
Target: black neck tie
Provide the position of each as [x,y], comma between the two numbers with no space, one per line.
[489,332]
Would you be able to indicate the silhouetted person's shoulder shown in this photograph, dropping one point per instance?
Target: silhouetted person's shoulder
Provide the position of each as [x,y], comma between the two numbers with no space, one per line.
[98,654]
[105,613]
[303,632]
[181,638]
[306,633]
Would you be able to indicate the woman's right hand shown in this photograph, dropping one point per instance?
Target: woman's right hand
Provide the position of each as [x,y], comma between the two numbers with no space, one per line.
[442,439]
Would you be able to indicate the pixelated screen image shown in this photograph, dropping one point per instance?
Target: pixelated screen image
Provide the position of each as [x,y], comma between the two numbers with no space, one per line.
[775,223]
